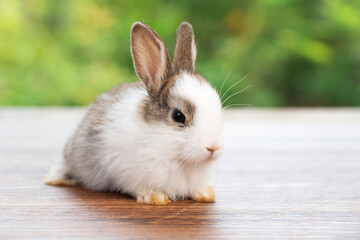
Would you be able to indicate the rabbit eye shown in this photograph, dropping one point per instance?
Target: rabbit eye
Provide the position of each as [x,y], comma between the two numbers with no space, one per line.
[178,116]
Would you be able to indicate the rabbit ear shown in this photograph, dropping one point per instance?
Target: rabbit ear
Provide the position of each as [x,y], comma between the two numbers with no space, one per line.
[150,56]
[185,50]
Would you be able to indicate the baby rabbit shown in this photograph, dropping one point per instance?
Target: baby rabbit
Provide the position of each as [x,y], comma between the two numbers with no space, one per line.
[156,139]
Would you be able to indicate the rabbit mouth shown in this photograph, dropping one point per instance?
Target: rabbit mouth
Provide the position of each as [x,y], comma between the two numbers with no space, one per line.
[211,157]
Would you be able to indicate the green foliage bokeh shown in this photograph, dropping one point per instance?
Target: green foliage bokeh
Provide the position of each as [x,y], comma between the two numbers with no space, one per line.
[299,52]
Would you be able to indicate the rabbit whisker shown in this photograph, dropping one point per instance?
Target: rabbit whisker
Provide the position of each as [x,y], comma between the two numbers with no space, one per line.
[235,104]
[236,93]
[222,85]
[234,85]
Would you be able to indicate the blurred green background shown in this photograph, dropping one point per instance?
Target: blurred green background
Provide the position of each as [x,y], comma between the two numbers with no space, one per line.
[299,53]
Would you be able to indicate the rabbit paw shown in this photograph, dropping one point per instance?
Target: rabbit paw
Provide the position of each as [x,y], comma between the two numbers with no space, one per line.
[206,195]
[154,199]
[57,176]
[60,182]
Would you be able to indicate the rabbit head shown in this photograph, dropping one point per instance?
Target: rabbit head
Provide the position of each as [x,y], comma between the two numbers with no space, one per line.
[184,110]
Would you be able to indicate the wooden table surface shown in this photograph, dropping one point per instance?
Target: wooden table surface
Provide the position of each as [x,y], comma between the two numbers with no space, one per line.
[289,173]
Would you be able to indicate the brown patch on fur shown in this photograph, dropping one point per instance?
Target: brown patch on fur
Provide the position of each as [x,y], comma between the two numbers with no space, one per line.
[208,196]
[153,111]
[160,109]
[185,51]
[166,87]
[185,106]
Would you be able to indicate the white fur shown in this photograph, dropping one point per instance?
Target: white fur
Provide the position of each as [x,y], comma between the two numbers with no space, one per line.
[120,151]
[208,117]
[142,159]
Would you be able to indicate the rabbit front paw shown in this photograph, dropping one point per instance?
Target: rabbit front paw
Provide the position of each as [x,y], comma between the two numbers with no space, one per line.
[154,199]
[206,195]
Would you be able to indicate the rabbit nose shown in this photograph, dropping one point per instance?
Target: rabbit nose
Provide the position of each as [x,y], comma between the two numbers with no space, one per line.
[212,148]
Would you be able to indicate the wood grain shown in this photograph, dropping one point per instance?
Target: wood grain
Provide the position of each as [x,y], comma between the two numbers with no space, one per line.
[290,173]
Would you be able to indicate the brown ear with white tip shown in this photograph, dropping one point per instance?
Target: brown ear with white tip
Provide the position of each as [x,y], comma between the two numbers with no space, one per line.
[185,50]
[150,56]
